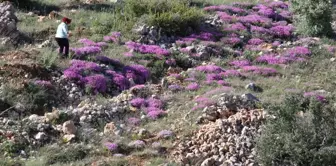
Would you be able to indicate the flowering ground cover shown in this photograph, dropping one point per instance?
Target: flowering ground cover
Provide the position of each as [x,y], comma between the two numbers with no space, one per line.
[131,101]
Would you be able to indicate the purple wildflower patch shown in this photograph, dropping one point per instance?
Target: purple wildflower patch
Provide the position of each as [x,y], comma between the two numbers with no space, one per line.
[133,121]
[255,20]
[146,49]
[298,51]
[42,83]
[260,30]
[175,87]
[231,73]
[97,83]
[282,31]
[86,50]
[171,62]
[274,59]
[111,146]
[138,73]
[152,102]
[236,27]
[209,69]
[114,37]
[240,63]
[233,41]
[138,102]
[226,17]
[165,134]
[137,144]
[108,61]
[255,41]
[155,114]
[193,87]
[264,71]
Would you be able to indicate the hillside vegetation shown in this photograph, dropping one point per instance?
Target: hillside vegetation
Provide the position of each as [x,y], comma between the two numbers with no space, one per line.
[168,82]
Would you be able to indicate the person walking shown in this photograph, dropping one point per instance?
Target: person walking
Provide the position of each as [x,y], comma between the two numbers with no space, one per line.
[61,37]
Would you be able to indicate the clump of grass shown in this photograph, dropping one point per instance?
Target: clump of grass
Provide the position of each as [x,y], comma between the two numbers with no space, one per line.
[67,155]
[303,133]
[48,58]
[34,98]
[174,17]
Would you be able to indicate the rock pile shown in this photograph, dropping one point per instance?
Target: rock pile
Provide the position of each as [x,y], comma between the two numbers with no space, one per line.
[226,106]
[90,112]
[151,35]
[9,33]
[227,139]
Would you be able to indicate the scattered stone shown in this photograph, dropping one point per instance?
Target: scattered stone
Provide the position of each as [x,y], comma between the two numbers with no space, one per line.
[138,144]
[253,87]
[109,128]
[227,139]
[68,137]
[69,127]
[40,136]
[143,133]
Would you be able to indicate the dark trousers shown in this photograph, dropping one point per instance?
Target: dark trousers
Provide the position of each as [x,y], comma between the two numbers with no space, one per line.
[64,45]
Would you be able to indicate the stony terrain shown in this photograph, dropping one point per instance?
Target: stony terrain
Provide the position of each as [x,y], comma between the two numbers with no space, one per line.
[149,95]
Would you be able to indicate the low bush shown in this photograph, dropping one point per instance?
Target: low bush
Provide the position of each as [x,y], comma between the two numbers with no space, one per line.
[48,58]
[303,133]
[67,155]
[312,17]
[174,17]
[12,149]
[34,98]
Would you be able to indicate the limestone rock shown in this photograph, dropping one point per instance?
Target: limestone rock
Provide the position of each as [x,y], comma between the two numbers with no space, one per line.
[109,128]
[69,127]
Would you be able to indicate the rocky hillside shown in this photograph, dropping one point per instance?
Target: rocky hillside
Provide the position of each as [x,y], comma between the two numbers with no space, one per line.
[180,82]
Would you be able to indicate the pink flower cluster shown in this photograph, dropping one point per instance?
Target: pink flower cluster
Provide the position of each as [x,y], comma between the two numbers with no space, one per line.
[115,37]
[43,83]
[86,50]
[277,59]
[146,49]
[282,31]
[193,86]
[235,27]
[264,71]
[298,51]
[317,96]
[226,17]
[240,63]
[88,42]
[209,69]
[202,102]
[100,80]
[231,73]
[152,107]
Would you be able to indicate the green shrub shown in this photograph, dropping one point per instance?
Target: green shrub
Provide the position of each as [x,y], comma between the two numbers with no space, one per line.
[10,162]
[66,155]
[157,69]
[174,17]
[35,99]
[48,58]
[11,148]
[306,139]
[312,17]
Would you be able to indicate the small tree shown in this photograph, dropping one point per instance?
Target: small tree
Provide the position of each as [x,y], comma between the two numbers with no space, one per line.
[312,17]
[302,134]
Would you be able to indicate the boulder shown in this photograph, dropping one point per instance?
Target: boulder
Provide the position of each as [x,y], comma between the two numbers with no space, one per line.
[69,127]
